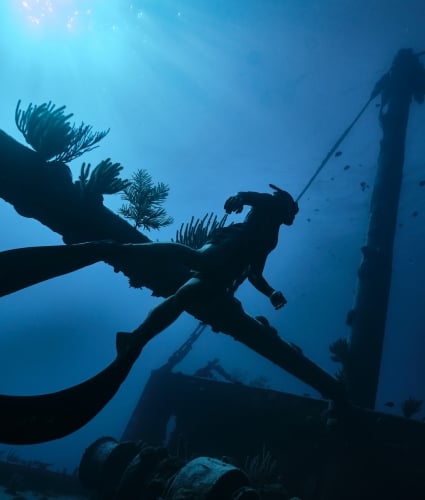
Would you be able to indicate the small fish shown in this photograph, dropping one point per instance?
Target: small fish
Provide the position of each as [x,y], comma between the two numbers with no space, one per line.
[338,153]
[346,167]
[422,183]
[415,213]
[389,404]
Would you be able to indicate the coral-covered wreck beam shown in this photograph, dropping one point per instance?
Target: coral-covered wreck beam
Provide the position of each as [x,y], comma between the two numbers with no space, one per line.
[45,191]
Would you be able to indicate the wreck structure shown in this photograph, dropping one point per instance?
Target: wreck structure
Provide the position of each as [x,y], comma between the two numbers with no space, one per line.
[222,417]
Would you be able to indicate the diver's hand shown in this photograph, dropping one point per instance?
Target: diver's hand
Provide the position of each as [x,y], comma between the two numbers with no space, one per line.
[278,300]
[233,204]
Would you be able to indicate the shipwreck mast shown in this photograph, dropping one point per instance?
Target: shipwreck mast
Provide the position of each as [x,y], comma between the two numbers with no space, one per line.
[403,82]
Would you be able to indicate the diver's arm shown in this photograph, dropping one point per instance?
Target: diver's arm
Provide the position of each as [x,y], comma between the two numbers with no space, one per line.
[236,203]
[256,278]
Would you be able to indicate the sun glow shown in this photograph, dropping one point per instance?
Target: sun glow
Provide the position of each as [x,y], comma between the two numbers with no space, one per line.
[57,14]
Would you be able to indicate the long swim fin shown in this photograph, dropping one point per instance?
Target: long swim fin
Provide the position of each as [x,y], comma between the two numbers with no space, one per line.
[37,419]
[23,267]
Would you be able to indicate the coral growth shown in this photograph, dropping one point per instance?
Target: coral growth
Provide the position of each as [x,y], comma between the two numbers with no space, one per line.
[144,201]
[48,130]
[195,233]
[340,353]
[104,179]
[262,468]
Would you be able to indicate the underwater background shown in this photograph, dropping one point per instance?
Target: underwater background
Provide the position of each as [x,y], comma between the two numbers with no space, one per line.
[215,97]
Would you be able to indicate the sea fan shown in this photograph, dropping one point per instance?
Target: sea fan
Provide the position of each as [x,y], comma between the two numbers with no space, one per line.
[48,130]
[196,232]
[104,178]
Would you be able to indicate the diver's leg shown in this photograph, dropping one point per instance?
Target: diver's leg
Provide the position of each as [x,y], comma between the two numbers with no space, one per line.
[162,316]
[153,252]
[206,259]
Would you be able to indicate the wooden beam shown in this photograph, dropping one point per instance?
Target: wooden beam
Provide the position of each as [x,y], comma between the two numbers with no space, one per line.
[404,81]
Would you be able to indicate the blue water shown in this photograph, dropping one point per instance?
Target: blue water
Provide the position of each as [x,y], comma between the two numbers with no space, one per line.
[212,98]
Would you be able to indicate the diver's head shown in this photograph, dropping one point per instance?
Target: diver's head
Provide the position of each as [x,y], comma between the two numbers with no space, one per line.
[287,207]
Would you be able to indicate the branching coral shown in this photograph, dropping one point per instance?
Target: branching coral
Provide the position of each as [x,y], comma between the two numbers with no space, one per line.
[48,130]
[195,233]
[104,178]
[144,201]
